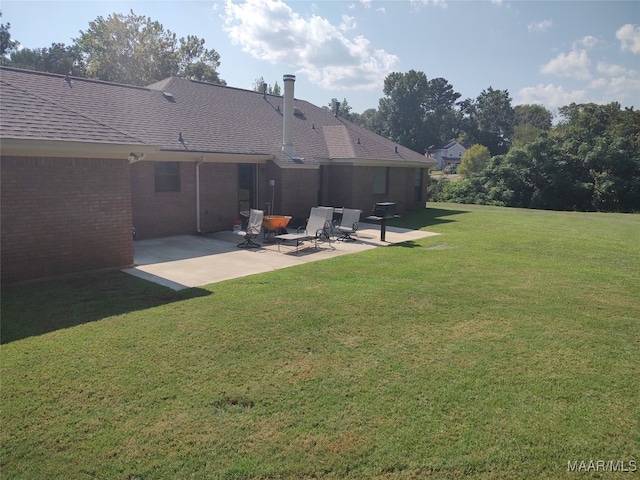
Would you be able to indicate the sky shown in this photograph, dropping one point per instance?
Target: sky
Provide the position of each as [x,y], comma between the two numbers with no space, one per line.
[551,53]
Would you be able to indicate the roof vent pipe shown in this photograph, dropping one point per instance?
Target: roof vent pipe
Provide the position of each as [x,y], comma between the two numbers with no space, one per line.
[337,109]
[287,126]
[264,90]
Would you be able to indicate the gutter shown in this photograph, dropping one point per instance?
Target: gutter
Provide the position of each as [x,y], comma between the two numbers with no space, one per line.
[73,149]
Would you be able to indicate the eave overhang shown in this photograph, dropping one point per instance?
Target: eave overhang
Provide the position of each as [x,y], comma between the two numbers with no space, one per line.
[206,156]
[70,149]
[134,152]
[372,162]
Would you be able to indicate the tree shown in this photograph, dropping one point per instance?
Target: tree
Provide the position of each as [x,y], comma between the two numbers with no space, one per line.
[489,120]
[258,86]
[404,108]
[440,95]
[198,63]
[418,112]
[474,160]
[135,50]
[58,58]
[343,108]
[524,134]
[7,44]
[590,162]
[535,115]
[530,121]
[371,120]
[602,144]
[442,121]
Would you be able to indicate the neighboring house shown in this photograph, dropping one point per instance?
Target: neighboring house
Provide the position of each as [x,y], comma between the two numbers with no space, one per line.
[83,161]
[448,154]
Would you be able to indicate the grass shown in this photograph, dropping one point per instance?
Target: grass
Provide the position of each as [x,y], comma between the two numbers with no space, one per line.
[505,348]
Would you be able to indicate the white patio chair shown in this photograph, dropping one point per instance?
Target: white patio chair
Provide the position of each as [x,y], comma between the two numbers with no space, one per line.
[349,224]
[253,229]
[317,228]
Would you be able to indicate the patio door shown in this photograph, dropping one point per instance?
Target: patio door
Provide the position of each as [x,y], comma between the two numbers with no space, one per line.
[247,187]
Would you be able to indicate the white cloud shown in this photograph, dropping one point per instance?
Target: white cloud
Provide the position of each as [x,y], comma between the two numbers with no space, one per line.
[541,26]
[629,36]
[624,89]
[348,23]
[587,43]
[551,96]
[612,70]
[620,84]
[574,64]
[270,30]
[426,3]
[598,83]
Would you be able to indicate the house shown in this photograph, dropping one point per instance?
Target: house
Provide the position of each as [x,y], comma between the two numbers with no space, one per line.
[449,154]
[84,161]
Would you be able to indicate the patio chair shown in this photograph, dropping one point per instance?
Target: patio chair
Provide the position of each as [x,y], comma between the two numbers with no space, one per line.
[348,224]
[254,226]
[329,212]
[317,228]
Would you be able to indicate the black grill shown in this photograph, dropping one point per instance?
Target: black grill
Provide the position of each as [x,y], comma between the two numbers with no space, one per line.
[384,210]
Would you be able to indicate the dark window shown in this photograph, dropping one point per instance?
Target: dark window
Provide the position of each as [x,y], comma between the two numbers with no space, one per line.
[167,176]
[246,187]
[380,179]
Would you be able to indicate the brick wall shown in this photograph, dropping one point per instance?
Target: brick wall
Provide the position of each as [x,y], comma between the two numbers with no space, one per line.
[298,192]
[219,203]
[163,214]
[352,187]
[340,188]
[63,216]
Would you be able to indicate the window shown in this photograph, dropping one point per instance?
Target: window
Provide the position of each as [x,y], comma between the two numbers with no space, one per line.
[380,177]
[167,176]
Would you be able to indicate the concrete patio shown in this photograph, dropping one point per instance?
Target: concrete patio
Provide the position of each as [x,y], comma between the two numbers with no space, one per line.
[188,261]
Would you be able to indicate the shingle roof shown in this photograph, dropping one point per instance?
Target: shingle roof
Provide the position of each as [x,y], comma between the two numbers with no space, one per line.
[446,146]
[210,119]
[30,115]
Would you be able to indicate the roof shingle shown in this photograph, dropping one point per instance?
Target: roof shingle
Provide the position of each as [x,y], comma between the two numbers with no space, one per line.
[210,118]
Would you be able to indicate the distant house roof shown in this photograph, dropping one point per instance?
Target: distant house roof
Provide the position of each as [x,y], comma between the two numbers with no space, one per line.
[446,146]
[181,119]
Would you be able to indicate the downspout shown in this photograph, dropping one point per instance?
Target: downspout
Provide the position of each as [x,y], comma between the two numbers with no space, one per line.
[198,229]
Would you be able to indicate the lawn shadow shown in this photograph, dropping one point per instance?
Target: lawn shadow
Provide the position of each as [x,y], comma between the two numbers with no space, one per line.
[41,307]
[407,244]
[427,217]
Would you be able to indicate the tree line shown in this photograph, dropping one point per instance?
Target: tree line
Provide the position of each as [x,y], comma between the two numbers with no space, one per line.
[516,157]
[421,114]
[589,162]
[130,49]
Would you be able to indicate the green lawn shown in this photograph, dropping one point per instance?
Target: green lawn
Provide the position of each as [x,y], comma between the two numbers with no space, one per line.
[504,348]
